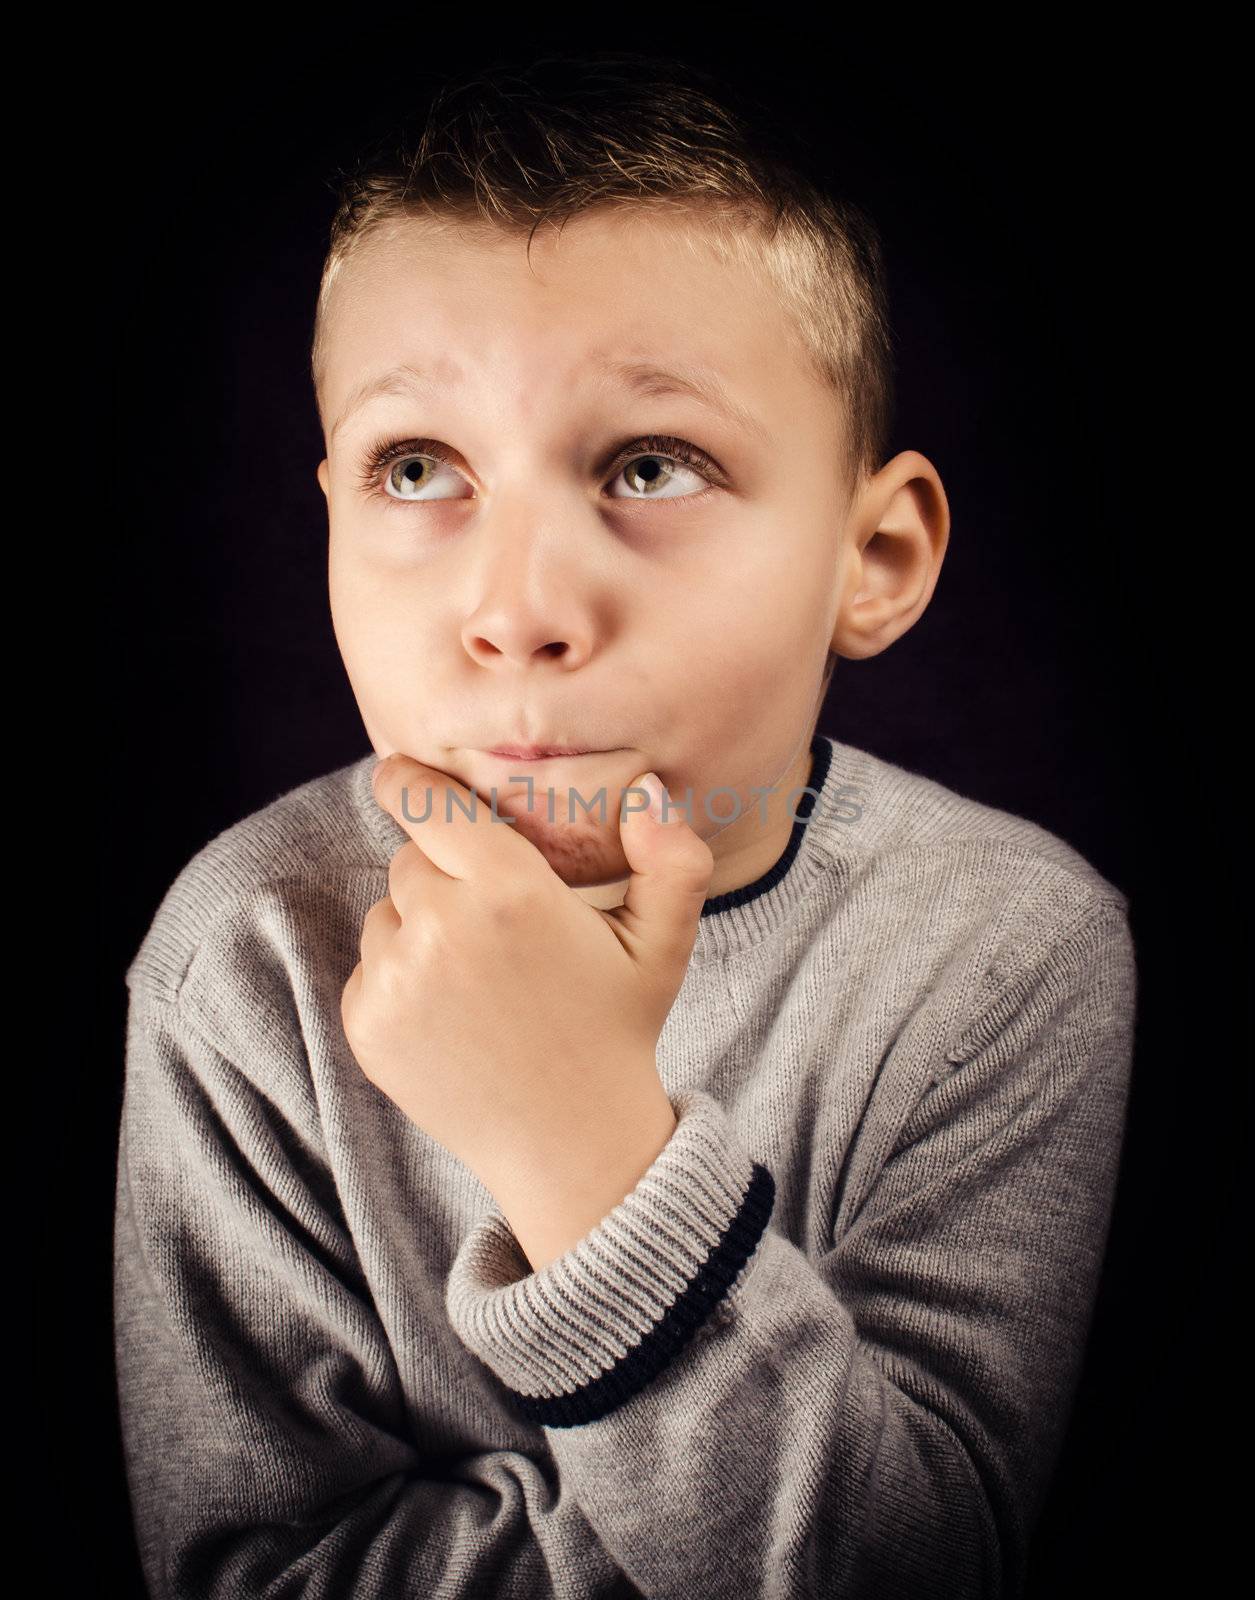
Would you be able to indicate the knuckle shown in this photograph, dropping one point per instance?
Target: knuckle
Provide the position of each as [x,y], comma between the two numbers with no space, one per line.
[374,920]
[401,866]
[349,998]
[423,940]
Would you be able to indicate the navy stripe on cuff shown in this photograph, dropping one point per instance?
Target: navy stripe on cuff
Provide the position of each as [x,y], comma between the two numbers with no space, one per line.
[597,1398]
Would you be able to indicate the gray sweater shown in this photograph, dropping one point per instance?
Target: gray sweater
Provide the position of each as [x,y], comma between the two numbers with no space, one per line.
[827,1346]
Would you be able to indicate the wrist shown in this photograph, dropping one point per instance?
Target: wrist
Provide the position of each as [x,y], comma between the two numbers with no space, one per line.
[557,1196]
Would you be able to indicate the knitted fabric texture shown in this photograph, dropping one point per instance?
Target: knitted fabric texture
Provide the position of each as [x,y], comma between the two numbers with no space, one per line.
[828,1344]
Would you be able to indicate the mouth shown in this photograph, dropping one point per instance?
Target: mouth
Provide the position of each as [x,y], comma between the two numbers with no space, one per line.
[535,752]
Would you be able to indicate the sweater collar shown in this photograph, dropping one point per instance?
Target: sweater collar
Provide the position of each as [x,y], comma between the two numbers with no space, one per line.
[730,921]
[748,915]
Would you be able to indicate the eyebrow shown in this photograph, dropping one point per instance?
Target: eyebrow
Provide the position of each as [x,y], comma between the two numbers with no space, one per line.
[642,377]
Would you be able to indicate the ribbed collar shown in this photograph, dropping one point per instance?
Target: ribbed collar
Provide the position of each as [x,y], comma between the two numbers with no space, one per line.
[728,922]
[747,915]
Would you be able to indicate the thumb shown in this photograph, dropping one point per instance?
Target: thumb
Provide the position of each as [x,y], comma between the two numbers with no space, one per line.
[671,871]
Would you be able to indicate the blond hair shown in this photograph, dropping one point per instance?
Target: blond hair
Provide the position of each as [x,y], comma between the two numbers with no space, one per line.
[514,145]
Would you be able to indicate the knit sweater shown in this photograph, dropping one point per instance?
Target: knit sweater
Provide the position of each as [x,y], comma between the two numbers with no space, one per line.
[827,1345]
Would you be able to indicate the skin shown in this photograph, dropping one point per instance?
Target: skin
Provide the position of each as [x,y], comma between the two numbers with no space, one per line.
[515,979]
[527,592]
[516,1024]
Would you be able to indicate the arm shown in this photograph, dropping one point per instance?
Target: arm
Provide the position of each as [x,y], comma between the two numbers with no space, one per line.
[267,1446]
[882,1421]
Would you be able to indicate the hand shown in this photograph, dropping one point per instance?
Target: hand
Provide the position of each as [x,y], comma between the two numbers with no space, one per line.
[505,1016]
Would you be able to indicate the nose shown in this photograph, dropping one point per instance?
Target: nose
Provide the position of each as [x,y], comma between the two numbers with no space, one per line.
[530,609]
[505,636]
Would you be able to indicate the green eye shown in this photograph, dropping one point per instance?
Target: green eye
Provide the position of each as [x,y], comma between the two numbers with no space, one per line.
[419,471]
[407,475]
[656,473]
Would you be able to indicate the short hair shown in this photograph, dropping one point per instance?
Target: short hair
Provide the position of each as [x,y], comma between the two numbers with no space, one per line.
[514,144]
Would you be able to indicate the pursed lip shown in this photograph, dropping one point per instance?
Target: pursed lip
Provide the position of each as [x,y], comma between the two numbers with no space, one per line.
[534,752]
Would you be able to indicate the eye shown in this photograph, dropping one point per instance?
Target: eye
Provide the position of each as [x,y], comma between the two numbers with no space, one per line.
[657,467]
[660,461]
[404,471]
[656,477]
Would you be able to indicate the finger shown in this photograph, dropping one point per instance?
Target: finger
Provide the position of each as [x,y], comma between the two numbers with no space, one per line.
[349,997]
[411,876]
[452,825]
[379,928]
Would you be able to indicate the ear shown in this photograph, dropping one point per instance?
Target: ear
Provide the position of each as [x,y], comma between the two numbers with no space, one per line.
[898,540]
[324,478]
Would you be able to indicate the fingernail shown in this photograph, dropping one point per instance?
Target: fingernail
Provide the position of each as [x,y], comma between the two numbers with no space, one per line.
[652,784]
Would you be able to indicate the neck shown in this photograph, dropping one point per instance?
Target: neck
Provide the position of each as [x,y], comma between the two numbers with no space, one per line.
[746,849]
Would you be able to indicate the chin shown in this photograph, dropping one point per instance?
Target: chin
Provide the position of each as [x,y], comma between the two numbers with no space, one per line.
[583,853]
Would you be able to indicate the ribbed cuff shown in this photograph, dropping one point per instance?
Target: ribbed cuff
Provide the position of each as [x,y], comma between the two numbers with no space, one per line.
[595,1326]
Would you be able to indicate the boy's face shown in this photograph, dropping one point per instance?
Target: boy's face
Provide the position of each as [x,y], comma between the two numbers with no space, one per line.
[552,578]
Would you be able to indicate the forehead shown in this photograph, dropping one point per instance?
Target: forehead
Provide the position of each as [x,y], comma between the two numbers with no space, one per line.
[611,299]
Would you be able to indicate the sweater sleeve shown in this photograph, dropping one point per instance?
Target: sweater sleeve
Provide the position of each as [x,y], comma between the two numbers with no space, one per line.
[737,1417]
[266,1440]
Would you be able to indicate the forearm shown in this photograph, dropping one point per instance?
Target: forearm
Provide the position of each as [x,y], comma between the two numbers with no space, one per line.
[879,1418]
[808,1471]
[802,1469]
[269,1447]
[404,1536]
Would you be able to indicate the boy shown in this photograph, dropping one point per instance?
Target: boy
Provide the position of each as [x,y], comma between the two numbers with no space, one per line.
[521,1194]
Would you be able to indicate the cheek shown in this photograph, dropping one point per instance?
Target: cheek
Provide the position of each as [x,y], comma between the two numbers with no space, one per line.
[380,624]
[753,672]
[747,625]
[352,601]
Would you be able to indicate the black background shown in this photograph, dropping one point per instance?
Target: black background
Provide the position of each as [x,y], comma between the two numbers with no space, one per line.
[1040,207]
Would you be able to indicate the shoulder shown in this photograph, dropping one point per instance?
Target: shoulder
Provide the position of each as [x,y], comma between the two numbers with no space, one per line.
[300,842]
[968,870]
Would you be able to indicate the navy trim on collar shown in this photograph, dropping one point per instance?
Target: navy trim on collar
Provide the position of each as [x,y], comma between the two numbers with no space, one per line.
[821,750]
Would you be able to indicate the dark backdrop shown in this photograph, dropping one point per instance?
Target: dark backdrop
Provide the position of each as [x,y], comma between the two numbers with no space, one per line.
[1027,194]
